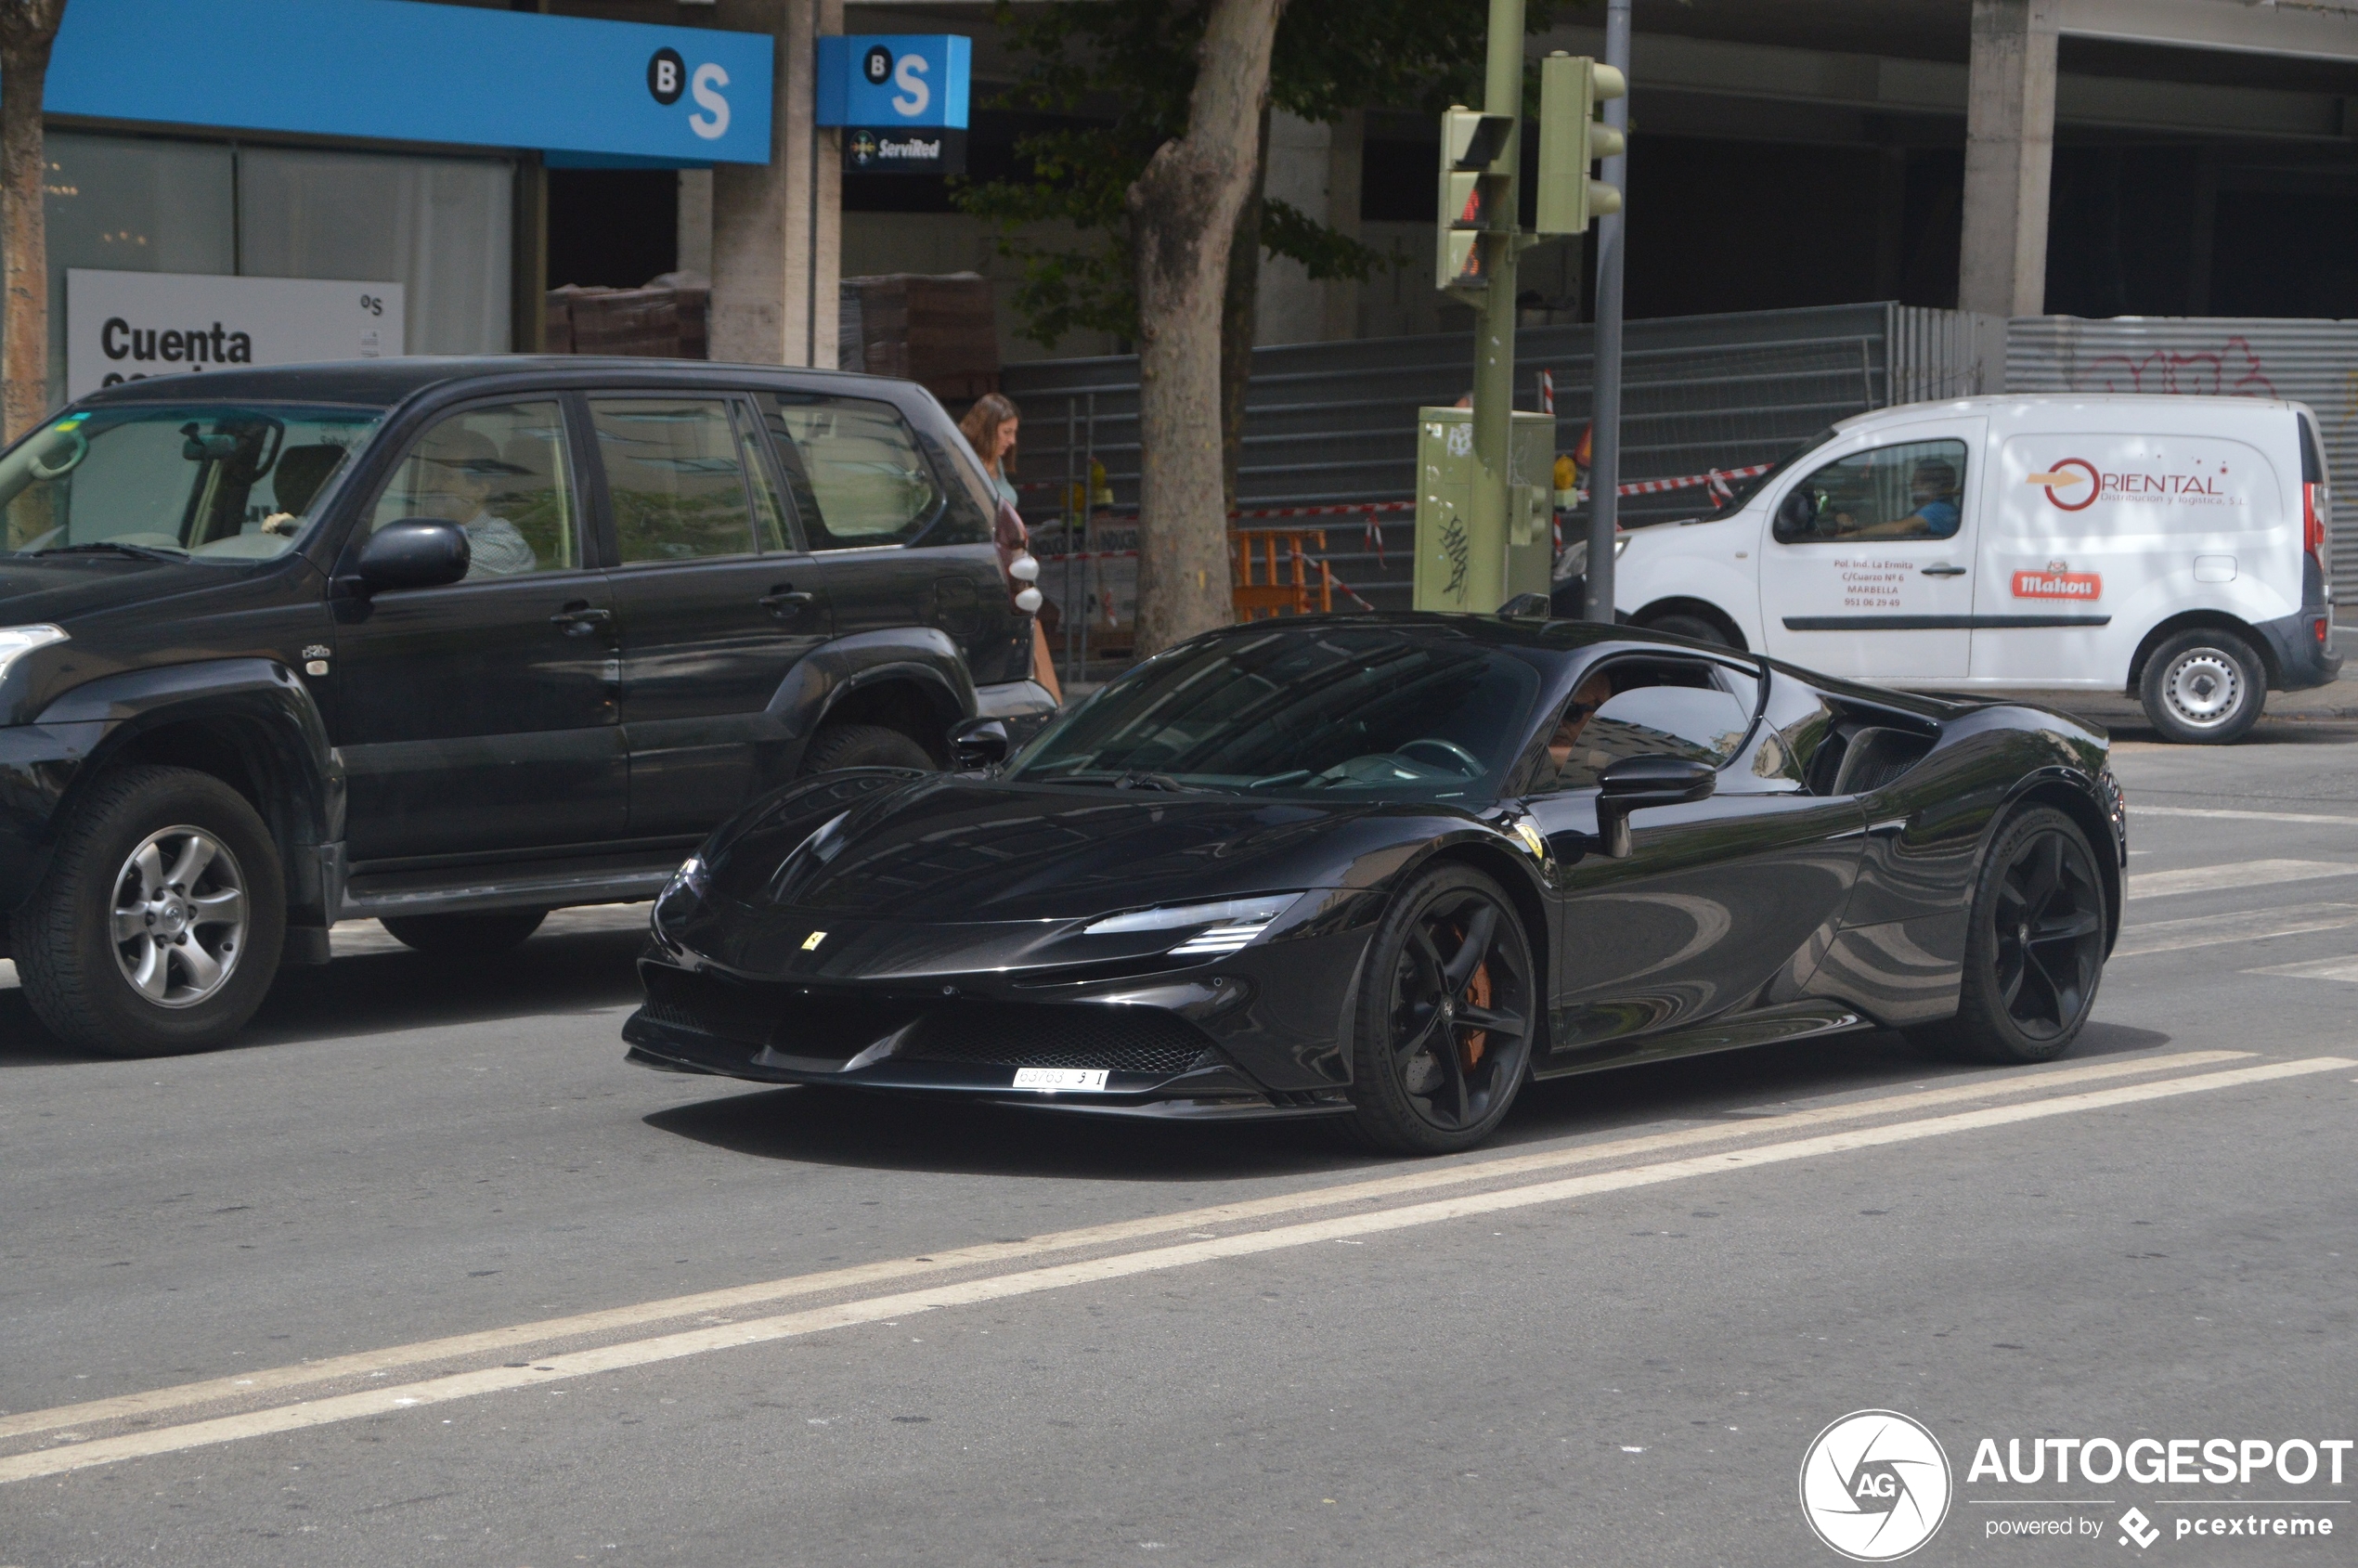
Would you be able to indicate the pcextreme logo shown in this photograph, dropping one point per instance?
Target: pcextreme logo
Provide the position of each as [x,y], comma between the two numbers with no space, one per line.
[1876,1485]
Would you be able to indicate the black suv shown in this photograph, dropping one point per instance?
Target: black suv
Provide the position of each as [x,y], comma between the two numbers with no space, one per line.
[450,642]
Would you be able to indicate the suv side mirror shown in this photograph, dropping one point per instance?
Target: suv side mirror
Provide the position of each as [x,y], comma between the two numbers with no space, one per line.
[979,743]
[414,552]
[1637,782]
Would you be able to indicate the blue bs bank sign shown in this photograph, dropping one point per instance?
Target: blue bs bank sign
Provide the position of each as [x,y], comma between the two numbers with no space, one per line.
[581,91]
[901,99]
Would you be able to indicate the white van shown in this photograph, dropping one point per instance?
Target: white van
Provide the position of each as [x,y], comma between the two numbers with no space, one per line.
[2173,547]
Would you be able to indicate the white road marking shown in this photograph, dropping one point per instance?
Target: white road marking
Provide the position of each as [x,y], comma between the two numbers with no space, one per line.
[2317,969]
[1424,1178]
[2136,811]
[2235,874]
[2247,926]
[899,1307]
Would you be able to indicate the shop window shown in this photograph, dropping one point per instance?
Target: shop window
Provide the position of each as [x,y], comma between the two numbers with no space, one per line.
[499,473]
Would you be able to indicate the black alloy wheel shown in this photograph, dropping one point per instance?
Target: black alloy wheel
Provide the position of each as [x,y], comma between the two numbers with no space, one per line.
[2036,950]
[1449,1017]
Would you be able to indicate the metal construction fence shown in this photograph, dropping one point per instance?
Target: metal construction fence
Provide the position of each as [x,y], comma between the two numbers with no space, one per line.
[1334,425]
[2312,362]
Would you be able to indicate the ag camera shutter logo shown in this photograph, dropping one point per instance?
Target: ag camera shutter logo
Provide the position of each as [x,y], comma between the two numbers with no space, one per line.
[1876,1485]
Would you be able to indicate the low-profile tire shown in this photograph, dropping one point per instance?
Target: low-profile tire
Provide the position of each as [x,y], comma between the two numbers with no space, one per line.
[158,927]
[1446,1015]
[466,936]
[2204,687]
[1701,629]
[862,746]
[2035,950]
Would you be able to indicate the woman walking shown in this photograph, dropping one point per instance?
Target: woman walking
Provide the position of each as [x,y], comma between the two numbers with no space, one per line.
[989,428]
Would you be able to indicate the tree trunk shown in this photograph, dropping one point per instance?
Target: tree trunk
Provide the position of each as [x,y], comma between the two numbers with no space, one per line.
[1240,320]
[27,30]
[1183,212]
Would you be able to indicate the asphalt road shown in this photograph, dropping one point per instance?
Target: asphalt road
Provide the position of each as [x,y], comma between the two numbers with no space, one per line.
[1609,1338]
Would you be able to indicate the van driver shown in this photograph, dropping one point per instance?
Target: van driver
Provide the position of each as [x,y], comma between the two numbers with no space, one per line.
[1932,487]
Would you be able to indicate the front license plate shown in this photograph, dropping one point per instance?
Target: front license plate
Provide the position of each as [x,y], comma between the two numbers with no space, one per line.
[1053,1078]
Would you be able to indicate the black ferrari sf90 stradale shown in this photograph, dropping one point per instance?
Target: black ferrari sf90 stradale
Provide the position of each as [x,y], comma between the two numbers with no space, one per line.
[1389,868]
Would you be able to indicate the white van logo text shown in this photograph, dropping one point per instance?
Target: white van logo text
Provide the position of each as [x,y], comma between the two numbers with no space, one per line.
[2075,484]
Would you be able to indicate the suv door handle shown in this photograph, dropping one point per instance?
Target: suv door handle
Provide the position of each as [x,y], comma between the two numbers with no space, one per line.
[1944,571]
[579,619]
[786,600]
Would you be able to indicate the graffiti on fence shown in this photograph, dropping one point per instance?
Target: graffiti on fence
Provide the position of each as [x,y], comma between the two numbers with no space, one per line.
[2232,370]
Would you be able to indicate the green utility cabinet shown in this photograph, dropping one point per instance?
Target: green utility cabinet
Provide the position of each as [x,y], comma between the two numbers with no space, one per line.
[1456,569]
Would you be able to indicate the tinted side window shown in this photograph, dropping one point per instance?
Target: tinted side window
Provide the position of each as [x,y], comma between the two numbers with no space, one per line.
[1910,491]
[1650,707]
[499,472]
[676,477]
[870,483]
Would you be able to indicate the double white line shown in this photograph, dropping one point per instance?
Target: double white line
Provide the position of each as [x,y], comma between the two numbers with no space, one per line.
[69,1455]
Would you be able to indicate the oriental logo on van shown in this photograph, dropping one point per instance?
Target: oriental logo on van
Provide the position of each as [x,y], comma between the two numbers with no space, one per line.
[2075,484]
[2058,581]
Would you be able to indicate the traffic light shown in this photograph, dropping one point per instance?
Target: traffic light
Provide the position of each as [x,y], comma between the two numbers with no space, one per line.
[1472,196]
[1571,138]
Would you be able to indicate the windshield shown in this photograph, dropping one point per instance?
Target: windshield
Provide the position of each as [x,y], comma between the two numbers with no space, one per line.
[189,481]
[1346,711]
[1741,490]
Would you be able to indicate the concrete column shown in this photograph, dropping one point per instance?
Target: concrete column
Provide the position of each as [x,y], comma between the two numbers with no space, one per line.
[695,222]
[2010,142]
[777,227]
[1315,168]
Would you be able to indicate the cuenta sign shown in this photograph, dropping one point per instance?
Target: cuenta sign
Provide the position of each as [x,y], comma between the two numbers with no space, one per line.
[125,326]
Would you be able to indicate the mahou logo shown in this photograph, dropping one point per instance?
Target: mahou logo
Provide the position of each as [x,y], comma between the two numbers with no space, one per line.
[2058,581]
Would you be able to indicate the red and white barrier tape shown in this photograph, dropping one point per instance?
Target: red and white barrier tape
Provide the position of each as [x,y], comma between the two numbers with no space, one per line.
[1716,479]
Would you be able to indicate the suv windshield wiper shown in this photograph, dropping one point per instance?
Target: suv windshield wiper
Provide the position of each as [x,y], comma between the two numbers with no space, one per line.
[113,547]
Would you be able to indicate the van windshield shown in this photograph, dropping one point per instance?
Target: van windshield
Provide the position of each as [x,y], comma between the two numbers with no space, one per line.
[213,481]
[1740,491]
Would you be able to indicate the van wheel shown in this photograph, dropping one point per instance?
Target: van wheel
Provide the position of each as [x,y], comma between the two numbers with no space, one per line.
[862,746]
[2204,687]
[157,927]
[1694,626]
[465,936]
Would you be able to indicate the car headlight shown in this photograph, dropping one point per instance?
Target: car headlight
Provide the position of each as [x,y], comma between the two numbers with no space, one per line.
[18,640]
[1211,929]
[1620,544]
[691,877]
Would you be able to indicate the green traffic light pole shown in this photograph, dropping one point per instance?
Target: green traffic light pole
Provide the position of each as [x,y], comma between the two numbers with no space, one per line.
[1493,388]
[1604,470]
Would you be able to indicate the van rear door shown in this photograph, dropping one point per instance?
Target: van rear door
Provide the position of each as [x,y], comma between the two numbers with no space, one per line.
[1868,568]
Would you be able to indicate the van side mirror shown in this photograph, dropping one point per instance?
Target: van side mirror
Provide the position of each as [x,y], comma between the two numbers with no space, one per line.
[977,744]
[414,552]
[1635,783]
[1797,514]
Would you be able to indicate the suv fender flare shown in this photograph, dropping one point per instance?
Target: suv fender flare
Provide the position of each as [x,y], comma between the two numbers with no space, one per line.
[823,682]
[253,712]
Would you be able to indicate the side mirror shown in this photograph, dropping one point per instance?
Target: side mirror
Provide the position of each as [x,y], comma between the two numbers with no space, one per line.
[1797,514]
[414,552]
[1528,607]
[1637,782]
[979,743]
